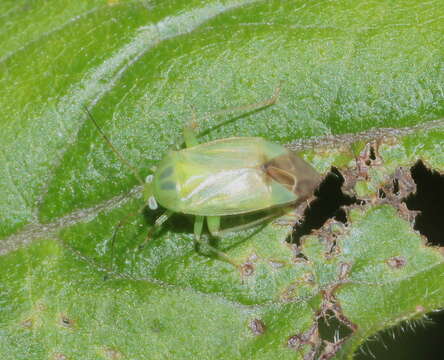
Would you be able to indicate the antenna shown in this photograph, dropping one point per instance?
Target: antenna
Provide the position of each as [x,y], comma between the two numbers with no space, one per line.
[118,154]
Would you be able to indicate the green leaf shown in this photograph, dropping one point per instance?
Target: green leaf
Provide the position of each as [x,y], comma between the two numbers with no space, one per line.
[143,68]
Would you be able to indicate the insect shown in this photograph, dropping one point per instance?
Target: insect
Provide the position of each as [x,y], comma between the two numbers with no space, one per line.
[231,176]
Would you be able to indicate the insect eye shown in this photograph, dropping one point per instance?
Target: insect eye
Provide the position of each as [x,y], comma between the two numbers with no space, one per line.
[152,203]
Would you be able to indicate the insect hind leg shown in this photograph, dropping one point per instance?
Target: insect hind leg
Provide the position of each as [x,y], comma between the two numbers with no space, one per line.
[190,134]
[213,223]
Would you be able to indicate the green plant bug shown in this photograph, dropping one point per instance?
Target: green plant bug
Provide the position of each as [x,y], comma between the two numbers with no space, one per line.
[224,177]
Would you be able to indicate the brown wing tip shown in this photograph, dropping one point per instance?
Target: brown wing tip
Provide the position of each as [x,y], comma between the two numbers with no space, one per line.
[294,173]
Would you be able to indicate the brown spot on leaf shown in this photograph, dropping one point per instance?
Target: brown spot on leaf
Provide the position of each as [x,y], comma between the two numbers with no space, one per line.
[112,354]
[403,183]
[294,342]
[397,262]
[330,349]
[344,271]
[368,157]
[247,269]
[257,326]
[276,264]
[310,338]
[300,286]
[27,323]
[350,177]
[405,213]
[308,278]
[66,322]
[59,356]
[397,187]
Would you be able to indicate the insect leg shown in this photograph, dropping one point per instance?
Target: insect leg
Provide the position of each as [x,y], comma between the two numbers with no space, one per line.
[261,220]
[157,224]
[189,134]
[251,107]
[198,225]
[162,218]
[243,109]
[213,223]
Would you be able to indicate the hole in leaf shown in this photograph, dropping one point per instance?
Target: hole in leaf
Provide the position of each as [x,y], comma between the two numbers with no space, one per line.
[372,153]
[381,194]
[396,186]
[331,329]
[327,205]
[371,156]
[429,200]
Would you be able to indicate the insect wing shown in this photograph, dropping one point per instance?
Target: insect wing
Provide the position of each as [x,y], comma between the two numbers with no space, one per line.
[223,177]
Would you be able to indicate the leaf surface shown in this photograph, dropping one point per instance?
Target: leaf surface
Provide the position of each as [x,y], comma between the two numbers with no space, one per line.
[347,71]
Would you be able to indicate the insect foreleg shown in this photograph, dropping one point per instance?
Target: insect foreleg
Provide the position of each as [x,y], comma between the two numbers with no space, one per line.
[189,134]
[157,224]
[198,225]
